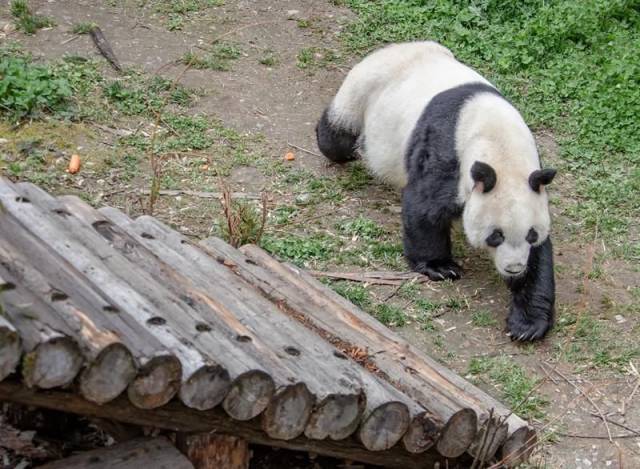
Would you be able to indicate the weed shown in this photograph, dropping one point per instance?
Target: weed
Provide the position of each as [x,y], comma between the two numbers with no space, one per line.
[83,28]
[26,21]
[299,249]
[303,23]
[310,58]
[516,384]
[218,58]
[483,318]
[269,58]
[244,223]
[362,227]
[389,315]
[356,293]
[29,90]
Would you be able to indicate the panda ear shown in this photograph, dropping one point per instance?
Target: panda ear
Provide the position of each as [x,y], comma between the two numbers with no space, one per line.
[541,177]
[484,176]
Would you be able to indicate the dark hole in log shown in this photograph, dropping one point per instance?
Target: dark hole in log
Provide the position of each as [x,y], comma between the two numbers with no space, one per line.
[292,351]
[156,321]
[184,241]
[62,212]
[110,309]
[104,228]
[250,261]
[243,338]
[339,355]
[146,235]
[202,327]
[57,295]
[22,200]
[220,259]
[94,460]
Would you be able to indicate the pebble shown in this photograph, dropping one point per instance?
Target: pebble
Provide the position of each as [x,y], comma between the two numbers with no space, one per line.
[3,141]
[620,318]
[303,198]
[293,14]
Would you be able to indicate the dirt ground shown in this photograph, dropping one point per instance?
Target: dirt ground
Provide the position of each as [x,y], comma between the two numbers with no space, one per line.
[276,106]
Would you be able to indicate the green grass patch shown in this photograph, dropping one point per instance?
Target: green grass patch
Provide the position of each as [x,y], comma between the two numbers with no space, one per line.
[83,28]
[361,227]
[514,382]
[311,58]
[218,58]
[301,249]
[483,318]
[26,21]
[29,90]
[570,66]
[387,314]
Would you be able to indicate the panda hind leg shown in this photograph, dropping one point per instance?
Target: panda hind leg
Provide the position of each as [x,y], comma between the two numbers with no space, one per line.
[337,144]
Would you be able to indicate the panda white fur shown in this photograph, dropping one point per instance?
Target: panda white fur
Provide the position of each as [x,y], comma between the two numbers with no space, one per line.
[442,133]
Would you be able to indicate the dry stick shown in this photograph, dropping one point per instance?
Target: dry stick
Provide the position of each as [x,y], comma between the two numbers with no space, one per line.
[104,47]
[303,149]
[628,400]
[478,460]
[595,406]
[204,195]
[618,424]
[598,437]
[375,278]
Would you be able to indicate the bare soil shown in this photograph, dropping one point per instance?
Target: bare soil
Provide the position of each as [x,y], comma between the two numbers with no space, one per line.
[280,103]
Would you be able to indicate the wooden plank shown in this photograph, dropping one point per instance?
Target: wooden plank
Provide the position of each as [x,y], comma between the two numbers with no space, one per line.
[152,453]
[437,388]
[212,451]
[148,390]
[10,348]
[179,418]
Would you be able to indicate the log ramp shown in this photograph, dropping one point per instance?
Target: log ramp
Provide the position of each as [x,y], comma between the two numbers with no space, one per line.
[111,317]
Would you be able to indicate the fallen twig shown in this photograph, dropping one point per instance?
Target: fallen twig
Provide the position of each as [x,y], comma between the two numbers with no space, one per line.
[634,371]
[617,424]
[598,437]
[374,278]
[104,47]
[71,39]
[595,406]
[204,195]
[303,149]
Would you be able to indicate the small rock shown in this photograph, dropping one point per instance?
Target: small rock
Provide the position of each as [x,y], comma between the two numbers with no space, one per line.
[293,14]
[620,318]
[3,141]
[303,199]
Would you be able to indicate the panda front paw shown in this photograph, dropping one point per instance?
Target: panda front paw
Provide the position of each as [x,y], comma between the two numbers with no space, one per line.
[524,328]
[438,270]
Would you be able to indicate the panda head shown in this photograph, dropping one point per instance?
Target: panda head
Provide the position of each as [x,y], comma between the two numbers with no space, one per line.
[507,214]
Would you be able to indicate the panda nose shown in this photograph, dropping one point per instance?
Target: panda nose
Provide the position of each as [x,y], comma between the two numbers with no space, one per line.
[514,268]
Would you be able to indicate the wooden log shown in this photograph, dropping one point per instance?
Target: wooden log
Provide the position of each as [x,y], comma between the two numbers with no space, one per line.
[10,348]
[156,453]
[252,386]
[51,357]
[154,387]
[241,311]
[176,417]
[386,416]
[212,451]
[159,371]
[110,367]
[440,390]
[310,305]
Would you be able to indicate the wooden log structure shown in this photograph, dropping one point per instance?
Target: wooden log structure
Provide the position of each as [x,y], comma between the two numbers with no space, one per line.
[127,314]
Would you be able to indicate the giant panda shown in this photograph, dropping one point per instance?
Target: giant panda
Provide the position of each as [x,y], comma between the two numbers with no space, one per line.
[445,136]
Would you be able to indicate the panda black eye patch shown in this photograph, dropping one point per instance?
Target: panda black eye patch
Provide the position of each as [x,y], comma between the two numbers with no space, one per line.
[532,236]
[495,239]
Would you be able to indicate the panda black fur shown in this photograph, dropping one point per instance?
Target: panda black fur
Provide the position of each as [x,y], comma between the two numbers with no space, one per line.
[445,136]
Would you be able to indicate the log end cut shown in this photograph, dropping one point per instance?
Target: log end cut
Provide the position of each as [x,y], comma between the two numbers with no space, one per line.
[206,388]
[423,433]
[249,395]
[52,364]
[458,433]
[157,382]
[384,426]
[109,375]
[336,417]
[288,412]
[519,446]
